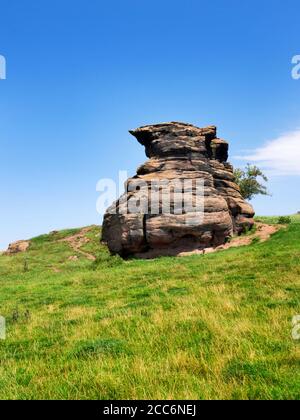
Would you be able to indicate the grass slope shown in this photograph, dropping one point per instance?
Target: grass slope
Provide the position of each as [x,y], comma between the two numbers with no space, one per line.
[203,327]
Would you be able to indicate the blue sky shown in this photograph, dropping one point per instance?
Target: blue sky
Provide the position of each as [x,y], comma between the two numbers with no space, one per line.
[80,74]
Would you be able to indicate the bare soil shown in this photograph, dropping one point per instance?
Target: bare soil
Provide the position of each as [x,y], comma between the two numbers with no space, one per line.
[77,241]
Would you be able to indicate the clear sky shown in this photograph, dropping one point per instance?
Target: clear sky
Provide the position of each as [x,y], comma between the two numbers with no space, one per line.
[80,74]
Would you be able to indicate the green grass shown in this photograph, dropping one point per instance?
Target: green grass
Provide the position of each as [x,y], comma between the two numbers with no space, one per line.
[275,219]
[216,326]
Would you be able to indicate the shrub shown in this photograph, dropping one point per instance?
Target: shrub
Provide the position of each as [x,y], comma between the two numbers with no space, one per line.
[249,181]
[284,220]
[105,260]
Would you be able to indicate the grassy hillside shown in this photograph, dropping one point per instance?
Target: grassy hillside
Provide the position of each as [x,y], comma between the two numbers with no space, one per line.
[203,327]
[275,219]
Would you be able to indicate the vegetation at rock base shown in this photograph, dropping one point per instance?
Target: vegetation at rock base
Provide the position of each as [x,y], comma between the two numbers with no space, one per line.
[204,327]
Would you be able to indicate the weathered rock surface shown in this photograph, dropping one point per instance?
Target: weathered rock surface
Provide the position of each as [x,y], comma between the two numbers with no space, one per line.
[17,247]
[178,151]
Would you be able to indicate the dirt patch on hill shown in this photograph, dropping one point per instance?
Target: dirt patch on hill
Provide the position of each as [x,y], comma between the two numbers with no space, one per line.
[78,240]
[263,233]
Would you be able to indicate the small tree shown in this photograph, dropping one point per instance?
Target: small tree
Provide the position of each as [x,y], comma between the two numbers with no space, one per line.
[249,181]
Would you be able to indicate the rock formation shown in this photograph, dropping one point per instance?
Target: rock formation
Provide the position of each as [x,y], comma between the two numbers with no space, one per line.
[17,247]
[177,151]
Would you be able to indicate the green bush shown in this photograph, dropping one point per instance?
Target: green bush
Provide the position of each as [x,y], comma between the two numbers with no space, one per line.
[284,220]
[105,260]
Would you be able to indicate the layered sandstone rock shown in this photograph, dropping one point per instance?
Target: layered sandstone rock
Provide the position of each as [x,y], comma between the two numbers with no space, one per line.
[177,151]
[17,247]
